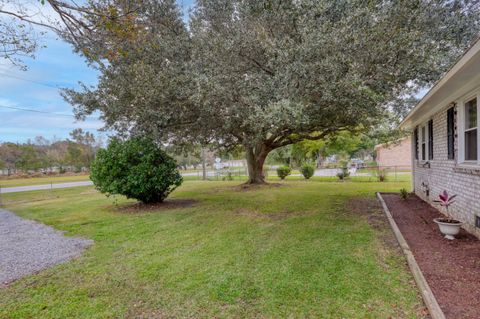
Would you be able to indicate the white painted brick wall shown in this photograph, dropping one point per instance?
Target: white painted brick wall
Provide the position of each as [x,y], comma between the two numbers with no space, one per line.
[445,174]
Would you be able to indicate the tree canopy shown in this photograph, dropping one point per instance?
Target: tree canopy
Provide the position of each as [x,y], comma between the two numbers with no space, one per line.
[262,74]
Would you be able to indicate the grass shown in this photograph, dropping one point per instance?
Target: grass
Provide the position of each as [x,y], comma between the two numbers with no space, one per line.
[42,180]
[274,252]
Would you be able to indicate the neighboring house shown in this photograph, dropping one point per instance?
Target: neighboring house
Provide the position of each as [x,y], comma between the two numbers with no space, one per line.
[397,154]
[445,151]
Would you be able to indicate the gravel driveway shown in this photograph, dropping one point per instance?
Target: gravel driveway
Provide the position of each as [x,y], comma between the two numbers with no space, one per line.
[27,247]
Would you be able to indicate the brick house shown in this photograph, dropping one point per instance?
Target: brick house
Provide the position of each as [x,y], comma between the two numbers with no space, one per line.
[445,139]
[397,154]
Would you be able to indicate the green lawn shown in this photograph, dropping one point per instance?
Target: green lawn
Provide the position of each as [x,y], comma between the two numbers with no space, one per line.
[42,180]
[299,250]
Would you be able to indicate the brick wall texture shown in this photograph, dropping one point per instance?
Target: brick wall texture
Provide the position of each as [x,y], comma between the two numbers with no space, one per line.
[395,154]
[447,174]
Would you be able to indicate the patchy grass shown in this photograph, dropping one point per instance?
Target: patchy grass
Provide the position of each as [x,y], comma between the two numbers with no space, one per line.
[298,250]
[42,180]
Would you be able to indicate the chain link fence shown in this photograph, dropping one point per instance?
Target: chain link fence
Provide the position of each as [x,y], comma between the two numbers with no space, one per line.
[365,174]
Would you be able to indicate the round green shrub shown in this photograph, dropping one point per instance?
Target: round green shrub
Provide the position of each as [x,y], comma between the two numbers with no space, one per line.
[343,174]
[307,170]
[137,168]
[283,171]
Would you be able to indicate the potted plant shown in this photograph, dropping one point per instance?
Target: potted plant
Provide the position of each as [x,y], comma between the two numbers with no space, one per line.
[448,225]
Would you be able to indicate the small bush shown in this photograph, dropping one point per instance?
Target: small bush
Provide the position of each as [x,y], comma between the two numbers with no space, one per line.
[307,170]
[382,175]
[404,194]
[283,171]
[343,174]
[228,176]
[136,168]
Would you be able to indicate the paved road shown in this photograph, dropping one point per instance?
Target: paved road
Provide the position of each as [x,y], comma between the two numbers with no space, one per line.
[17,189]
[199,173]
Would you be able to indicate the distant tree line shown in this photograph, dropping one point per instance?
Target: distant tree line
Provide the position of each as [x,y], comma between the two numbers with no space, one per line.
[40,154]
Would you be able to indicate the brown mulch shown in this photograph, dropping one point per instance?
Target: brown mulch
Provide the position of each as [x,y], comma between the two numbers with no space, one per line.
[166,205]
[452,268]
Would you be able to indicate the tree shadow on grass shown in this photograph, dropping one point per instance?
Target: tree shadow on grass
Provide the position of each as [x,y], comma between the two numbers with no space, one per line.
[253,187]
[168,204]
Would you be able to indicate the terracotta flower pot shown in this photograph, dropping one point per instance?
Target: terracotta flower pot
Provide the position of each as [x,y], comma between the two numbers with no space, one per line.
[449,228]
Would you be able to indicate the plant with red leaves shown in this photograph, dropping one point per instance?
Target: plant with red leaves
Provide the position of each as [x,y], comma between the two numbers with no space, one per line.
[445,200]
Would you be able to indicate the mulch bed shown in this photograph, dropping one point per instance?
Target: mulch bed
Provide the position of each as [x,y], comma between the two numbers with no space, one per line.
[452,268]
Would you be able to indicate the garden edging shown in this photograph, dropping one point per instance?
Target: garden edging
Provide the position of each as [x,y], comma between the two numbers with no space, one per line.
[427,294]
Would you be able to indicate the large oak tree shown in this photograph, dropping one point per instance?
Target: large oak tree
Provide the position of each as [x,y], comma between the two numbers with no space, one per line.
[262,74]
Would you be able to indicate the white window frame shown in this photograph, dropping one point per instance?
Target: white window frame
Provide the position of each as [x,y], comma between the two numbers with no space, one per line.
[461,129]
[423,128]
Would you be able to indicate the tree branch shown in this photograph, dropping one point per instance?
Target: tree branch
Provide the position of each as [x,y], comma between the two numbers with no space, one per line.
[258,64]
[292,139]
[27,19]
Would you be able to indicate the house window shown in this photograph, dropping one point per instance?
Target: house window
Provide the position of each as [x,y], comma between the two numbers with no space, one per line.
[430,140]
[451,133]
[470,131]
[424,143]
[415,141]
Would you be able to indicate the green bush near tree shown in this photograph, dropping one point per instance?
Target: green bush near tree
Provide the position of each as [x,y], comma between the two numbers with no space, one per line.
[283,171]
[307,170]
[343,174]
[137,168]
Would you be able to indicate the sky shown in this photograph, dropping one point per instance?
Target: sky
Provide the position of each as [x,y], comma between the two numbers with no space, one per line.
[37,89]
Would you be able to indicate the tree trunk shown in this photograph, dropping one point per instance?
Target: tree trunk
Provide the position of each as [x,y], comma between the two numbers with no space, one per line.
[204,169]
[255,160]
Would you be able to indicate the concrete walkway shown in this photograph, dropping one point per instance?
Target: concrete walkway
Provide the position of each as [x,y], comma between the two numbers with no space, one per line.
[27,247]
[17,189]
